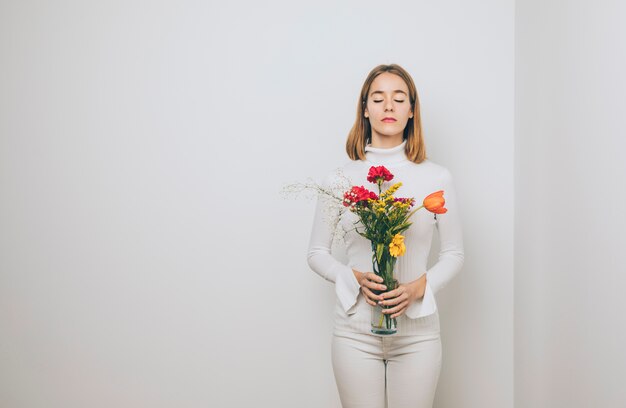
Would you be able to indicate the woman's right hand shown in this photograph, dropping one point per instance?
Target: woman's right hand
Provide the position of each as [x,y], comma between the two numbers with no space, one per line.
[369,281]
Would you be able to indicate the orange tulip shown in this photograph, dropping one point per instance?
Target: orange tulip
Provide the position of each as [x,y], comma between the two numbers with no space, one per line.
[434,202]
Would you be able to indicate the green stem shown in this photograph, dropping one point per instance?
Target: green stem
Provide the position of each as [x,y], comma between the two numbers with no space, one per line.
[413,212]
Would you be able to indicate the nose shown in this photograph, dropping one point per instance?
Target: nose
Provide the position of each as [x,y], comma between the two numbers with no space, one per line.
[388,105]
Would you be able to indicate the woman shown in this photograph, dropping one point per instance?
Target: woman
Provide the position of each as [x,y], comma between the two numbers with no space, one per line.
[399,370]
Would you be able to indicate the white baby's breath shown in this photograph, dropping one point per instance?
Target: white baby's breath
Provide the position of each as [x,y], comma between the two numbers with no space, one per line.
[331,195]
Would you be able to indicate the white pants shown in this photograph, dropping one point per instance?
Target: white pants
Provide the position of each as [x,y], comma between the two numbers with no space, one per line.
[386,371]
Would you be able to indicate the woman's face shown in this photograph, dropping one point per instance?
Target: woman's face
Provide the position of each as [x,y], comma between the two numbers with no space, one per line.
[388,98]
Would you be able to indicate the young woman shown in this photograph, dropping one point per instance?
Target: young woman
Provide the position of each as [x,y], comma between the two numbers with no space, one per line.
[399,370]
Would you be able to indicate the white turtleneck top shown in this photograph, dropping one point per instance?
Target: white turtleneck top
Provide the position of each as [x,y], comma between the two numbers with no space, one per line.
[352,312]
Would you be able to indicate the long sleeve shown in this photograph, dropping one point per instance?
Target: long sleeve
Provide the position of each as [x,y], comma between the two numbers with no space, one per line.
[451,253]
[424,306]
[319,255]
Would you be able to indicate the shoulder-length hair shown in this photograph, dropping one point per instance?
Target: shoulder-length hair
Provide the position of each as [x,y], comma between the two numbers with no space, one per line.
[361,131]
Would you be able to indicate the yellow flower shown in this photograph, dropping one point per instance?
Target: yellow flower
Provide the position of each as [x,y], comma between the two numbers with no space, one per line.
[396,247]
[401,206]
[391,189]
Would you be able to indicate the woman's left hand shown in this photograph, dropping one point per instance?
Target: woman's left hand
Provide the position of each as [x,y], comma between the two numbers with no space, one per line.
[403,296]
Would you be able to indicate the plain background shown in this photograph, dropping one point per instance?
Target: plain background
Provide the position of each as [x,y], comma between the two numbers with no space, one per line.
[147,258]
[570,329]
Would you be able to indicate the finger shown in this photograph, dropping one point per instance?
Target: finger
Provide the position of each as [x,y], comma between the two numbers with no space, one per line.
[374,285]
[394,293]
[390,294]
[396,309]
[400,312]
[373,277]
[396,300]
[370,295]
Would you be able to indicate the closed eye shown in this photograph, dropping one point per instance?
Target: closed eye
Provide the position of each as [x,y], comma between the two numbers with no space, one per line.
[381,101]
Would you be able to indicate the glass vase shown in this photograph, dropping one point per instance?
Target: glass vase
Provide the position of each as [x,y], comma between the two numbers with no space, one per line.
[383,264]
[383,323]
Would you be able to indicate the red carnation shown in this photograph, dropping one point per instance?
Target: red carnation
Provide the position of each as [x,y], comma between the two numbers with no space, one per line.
[379,174]
[356,195]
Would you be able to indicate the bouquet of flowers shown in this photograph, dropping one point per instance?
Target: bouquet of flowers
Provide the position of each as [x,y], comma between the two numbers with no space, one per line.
[384,218]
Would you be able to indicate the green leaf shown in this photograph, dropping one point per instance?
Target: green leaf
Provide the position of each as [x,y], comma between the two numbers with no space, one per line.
[379,252]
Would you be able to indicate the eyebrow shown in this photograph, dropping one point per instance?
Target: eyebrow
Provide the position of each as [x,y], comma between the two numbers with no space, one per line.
[395,91]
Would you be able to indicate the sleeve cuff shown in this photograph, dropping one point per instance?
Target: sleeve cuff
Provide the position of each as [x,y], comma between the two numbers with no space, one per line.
[424,306]
[347,289]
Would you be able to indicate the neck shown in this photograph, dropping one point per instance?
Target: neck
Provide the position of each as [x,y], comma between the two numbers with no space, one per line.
[386,156]
[386,142]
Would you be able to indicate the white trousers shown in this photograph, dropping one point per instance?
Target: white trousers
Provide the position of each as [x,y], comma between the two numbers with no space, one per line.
[393,371]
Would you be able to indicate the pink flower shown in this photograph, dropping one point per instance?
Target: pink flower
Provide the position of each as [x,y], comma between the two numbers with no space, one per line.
[409,201]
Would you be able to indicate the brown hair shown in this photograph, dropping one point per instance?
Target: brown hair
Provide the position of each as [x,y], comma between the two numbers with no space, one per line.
[361,131]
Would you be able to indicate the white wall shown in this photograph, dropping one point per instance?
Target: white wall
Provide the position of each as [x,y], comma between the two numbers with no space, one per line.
[570,201]
[146,257]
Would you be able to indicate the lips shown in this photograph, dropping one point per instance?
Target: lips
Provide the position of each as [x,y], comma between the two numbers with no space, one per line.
[389,120]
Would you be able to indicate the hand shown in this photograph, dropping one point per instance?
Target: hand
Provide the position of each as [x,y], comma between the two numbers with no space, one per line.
[368,281]
[403,296]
